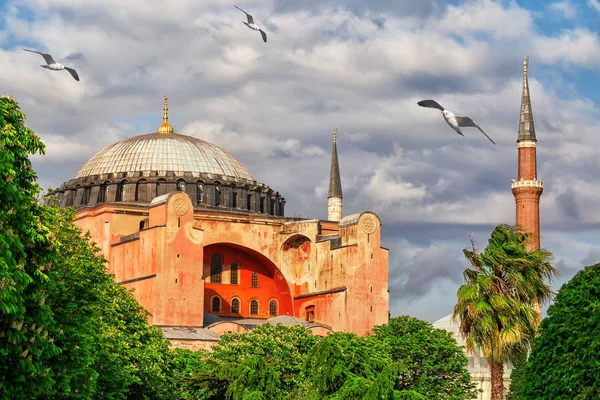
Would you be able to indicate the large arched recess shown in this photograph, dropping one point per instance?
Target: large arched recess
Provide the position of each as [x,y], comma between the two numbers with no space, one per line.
[272,285]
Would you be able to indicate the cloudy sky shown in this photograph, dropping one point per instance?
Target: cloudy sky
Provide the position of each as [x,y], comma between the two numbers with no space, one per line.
[359,65]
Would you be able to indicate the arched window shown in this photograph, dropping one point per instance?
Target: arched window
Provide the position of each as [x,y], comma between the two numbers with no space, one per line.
[216,267]
[217,195]
[255,279]
[86,195]
[254,307]
[199,190]
[181,186]
[102,193]
[121,191]
[273,308]
[216,304]
[235,305]
[234,274]
[234,201]
[161,187]
[249,201]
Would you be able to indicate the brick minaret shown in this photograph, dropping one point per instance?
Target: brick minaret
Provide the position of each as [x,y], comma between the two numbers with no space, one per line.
[527,189]
[334,197]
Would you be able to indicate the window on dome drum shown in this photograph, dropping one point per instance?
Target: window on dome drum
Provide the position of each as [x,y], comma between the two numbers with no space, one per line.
[216,268]
[86,195]
[273,308]
[161,187]
[199,194]
[234,199]
[216,304]
[235,306]
[255,279]
[217,196]
[249,201]
[234,274]
[121,190]
[262,204]
[102,193]
[181,186]
[273,207]
[254,307]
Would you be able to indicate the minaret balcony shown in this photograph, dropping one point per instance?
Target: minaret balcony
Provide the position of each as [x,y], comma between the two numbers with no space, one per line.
[527,183]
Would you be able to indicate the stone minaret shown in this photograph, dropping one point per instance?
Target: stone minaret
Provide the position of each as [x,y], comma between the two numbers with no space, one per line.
[527,189]
[334,197]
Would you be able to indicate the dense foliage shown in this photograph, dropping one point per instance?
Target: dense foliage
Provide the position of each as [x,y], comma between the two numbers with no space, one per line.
[497,305]
[67,330]
[563,363]
[436,365]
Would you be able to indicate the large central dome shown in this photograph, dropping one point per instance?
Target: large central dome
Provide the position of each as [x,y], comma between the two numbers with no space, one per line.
[164,152]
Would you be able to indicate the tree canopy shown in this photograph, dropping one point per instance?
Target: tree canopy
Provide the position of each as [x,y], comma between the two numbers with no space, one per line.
[563,363]
[67,330]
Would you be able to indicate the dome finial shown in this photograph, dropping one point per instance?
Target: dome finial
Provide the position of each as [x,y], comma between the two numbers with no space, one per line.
[165,127]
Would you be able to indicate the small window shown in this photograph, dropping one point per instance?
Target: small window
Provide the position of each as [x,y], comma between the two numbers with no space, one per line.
[216,268]
[234,274]
[86,195]
[235,306]
[262,204]
[254,307]
[249,201]
[217,196]
[216,304]
[181,186]
[234,199]
[273,308]
[255,279]
[310,313]
[121,191]
[199,193]
[102,193]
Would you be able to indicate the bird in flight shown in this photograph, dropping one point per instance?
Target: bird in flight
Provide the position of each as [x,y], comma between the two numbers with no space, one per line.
[53,65]
[454,121]
[250,24]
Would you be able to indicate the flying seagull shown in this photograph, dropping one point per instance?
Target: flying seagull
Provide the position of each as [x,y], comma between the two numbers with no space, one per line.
[250,24]
[452,120]
[53,65]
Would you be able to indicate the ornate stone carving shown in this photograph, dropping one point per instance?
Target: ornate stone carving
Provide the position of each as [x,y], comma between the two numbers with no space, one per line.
[180,207]
[369,225]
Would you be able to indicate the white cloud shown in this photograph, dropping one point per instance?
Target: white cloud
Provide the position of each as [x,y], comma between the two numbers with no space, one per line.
[564,8]
[274,105]
[595,4]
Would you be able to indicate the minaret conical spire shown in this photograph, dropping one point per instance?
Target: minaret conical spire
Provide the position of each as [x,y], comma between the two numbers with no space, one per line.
[335,183]
[526,127]
[334,196]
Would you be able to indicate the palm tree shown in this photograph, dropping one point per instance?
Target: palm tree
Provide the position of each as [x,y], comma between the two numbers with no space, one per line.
[497,305]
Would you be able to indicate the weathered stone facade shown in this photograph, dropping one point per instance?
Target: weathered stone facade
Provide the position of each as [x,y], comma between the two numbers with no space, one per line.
[208,250]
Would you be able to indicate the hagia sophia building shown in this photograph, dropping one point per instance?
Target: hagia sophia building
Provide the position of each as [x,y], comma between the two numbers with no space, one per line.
[207,249]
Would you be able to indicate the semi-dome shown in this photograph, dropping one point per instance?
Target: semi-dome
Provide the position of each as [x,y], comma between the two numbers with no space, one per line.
[164,152]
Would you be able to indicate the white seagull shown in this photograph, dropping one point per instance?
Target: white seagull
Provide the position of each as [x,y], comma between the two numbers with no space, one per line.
[53,65]
[250,24]
[452,120]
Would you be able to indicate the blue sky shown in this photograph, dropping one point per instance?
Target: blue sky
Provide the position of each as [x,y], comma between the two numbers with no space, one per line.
[359,65]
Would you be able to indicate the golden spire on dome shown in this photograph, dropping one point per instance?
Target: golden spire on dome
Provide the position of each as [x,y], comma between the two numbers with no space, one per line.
[165,127]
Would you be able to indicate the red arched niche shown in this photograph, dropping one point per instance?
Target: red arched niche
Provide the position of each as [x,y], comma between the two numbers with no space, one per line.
[271,283]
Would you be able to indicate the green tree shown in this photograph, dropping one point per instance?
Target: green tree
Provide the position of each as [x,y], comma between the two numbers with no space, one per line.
[563,363]
[269,360]
[346,366]
[497,304]
[436,364]
[25,250]
[67,330]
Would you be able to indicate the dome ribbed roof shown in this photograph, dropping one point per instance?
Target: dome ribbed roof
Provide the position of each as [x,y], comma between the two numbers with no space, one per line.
[160,152]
